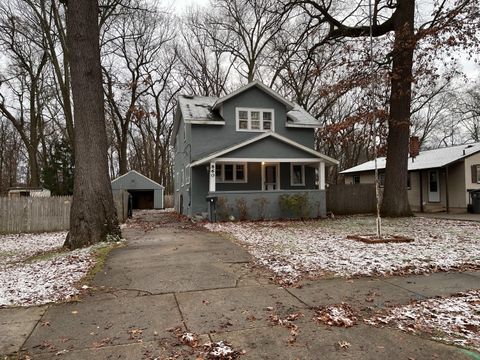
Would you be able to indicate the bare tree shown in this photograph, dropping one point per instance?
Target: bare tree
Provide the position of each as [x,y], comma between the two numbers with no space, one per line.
[205,60]
[93,215]
[21,98]
[246,29]
[397,18]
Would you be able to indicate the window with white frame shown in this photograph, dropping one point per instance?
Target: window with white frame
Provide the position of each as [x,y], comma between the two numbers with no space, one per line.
[476,173]
[356,179]
[255,119]
[231,173]
[297,174]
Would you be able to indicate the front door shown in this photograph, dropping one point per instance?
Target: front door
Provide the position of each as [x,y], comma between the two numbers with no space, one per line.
[433,186]
[270,177]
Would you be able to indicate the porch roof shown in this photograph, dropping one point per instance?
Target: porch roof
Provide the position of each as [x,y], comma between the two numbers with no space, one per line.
[308,155]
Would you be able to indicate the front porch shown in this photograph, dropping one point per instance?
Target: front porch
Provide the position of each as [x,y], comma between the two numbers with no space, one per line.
[266,189]
[268,205]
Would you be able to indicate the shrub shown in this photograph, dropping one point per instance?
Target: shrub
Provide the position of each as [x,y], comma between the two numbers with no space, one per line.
[242,208]
[222,209]
[295,206]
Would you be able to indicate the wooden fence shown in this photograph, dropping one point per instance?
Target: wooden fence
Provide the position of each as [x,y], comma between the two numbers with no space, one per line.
[29,214]
[345,199]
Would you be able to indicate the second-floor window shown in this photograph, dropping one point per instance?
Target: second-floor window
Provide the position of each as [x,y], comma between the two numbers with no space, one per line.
[255,119]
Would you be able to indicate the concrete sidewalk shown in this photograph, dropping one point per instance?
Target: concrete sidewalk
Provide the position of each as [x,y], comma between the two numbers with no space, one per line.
[174,277]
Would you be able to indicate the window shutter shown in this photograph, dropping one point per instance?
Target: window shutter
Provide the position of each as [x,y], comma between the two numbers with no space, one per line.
[474,173]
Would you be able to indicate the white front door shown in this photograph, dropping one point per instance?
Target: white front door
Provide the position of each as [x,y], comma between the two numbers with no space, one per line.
[270,177]
[433,186]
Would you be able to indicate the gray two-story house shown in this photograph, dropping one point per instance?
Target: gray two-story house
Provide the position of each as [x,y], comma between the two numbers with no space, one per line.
[249,154]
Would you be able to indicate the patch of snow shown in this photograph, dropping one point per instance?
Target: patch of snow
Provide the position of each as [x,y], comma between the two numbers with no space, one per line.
[455,320]
[44,281]
[295,249]
[17,247]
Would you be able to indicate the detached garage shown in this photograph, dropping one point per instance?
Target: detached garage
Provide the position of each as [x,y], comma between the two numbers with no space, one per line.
[146,193]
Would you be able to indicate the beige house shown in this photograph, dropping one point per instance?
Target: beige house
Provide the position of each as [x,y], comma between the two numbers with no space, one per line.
[438,180]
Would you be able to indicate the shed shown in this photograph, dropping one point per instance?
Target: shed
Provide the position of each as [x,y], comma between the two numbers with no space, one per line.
[146,193]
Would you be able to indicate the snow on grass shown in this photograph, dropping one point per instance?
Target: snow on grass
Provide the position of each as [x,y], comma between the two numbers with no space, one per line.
[296,249]
[455,320]
[44,281]
[17,247]
[29,277]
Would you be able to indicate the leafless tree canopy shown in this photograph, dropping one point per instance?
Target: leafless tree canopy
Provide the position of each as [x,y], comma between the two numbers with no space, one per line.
[315,53]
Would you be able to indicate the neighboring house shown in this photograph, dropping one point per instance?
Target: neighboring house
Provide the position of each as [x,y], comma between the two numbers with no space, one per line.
[438,180]
[28,192]
[245,150]
[146,193]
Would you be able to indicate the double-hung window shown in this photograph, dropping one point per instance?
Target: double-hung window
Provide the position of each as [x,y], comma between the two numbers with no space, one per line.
[255,119]
[231,173]
[297,175]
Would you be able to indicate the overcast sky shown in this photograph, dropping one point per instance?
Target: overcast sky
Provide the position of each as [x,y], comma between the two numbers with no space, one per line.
[181,5]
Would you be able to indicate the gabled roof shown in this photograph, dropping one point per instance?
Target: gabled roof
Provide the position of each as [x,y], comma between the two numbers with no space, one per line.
[429,159]
[133,172]
[284,139]
[259,85]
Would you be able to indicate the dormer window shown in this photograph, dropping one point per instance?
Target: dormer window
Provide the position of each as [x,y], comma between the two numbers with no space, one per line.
[254,119]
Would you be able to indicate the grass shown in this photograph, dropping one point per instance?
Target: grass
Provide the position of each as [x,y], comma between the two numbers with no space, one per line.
[100,255]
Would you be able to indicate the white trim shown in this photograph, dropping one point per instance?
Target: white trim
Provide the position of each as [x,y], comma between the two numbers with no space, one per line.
[205,122]
[217,154]
[211,178]
[302,183]
[321,176]
[249,119]
[183,177]
[300,125]
[136,172]
[259,85]
[280,160]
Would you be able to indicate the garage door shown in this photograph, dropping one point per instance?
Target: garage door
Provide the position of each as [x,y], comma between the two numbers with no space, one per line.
[142,199]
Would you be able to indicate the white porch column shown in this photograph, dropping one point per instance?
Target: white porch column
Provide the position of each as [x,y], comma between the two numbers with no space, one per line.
[212,177]
[321,175]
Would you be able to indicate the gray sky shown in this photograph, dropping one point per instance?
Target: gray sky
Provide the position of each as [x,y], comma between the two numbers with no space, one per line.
[181,5]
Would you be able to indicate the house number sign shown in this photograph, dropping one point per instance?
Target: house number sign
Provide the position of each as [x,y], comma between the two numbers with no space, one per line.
[212,170]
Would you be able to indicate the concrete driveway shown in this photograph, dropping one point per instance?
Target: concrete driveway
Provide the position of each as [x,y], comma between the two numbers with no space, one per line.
[173,275]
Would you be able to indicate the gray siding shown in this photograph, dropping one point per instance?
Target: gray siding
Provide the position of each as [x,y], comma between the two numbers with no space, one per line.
[210,138]
[182,159]
[269,148]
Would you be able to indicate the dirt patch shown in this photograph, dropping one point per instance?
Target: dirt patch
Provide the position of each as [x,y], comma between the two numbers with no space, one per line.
[153,219]
[374,239]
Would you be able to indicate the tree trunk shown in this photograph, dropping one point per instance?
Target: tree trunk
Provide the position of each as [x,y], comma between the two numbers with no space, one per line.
[93,216]
[395,200]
